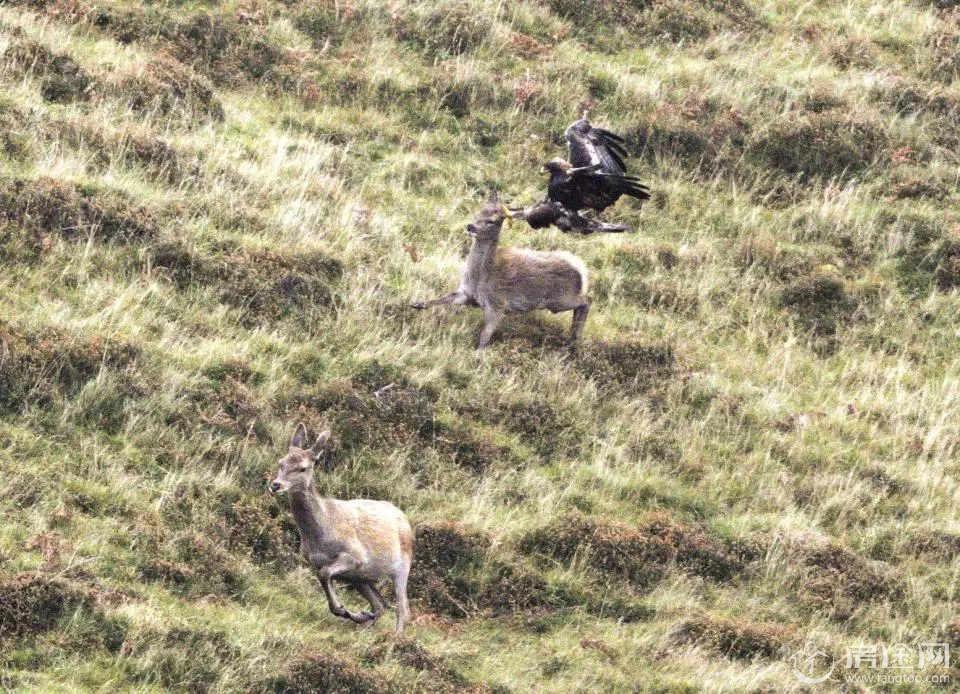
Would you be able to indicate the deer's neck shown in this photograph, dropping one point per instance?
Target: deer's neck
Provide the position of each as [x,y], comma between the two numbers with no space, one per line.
[480,261]
[309,514]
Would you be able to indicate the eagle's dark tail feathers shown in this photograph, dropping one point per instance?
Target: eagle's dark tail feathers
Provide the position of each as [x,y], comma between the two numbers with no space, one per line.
[627,185]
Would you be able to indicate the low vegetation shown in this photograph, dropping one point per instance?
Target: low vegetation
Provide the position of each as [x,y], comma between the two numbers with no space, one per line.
[214,216]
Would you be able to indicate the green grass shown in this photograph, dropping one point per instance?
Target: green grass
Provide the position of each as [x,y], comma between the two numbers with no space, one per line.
[213,217]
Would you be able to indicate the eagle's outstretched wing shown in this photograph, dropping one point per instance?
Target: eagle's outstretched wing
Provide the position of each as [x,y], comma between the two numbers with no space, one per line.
[589,146]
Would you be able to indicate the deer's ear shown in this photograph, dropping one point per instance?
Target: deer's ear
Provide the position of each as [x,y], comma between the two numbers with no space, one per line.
[320,445]
[299,439]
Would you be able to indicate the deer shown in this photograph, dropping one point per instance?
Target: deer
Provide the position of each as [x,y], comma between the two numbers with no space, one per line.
[359,541]
[501,280]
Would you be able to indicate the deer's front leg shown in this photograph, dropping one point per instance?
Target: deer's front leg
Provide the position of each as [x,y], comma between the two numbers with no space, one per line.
[456,297]
[491,317]
[342,564]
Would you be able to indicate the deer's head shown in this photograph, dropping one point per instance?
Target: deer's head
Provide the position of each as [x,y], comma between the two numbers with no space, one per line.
[557,166]
[488,223]
[296,467]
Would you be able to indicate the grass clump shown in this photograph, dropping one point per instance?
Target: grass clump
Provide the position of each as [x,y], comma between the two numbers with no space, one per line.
[837,581]
[260,284]
[672,21]
[631,366]
[185,659]
[262,528]
[15,142]
[34,212]
[39,366]
[409,653]
[820,301]
[34,603]
[62,79]
[641,555]
[548,428]
[454,578]
[446,555]
[322,672]
[820,146]
[732,638]
[166,87]
[190,563]
[379,409]
[132,147]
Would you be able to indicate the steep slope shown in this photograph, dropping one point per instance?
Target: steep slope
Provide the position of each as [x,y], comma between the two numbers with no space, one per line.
[214,214]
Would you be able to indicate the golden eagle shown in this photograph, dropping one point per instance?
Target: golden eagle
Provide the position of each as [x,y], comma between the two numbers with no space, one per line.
[594,178]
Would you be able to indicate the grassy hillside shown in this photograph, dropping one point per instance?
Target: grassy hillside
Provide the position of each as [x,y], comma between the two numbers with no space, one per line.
[213,216]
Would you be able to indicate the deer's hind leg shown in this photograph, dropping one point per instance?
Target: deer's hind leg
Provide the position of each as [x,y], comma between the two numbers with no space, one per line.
[579,318]
[580,305]
[400,588]
[370,592]
[456,297]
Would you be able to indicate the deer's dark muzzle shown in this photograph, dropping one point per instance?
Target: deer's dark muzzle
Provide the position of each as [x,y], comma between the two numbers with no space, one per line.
[275,487]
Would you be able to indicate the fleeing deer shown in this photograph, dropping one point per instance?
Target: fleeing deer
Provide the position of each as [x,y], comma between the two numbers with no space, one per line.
[359,541]
[516,280]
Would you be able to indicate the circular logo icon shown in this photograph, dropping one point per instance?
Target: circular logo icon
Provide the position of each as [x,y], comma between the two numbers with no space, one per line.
[812,666]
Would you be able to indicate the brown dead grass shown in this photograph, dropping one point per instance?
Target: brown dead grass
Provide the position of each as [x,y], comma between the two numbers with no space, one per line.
[641,555]
[34,603]
[37,366]
[321,672]
[837,581]
[62,79]
[261,284]
[33,212]
[167,87]
[739,639]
